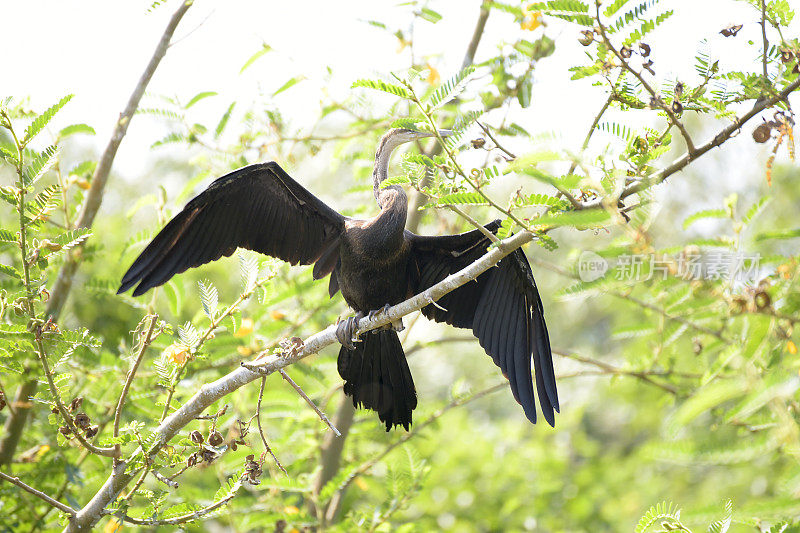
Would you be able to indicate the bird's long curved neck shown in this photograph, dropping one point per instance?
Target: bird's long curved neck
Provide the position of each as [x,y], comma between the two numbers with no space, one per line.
[392,199]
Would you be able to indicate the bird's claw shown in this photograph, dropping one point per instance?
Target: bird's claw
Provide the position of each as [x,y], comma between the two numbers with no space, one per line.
[346,329]
[376,312]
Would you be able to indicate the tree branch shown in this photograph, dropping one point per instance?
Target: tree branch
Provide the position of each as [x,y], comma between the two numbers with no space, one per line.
[718,140]
[63,284]
[209,393]
[39,494]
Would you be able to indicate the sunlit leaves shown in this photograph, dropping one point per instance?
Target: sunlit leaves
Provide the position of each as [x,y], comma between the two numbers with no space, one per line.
[38,123]
[383,86]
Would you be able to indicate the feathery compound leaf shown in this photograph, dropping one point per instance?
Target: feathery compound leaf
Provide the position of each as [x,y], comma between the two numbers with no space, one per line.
[7,236]
[541,199]
[209,298]
[199,96]
[188,334]
[756,209]
[505,228]
[386,87]
[224,121]
[583,218]
[706,213]
[395,180]
[40,165]
[41,121]
[421,159]
[248,265]
[461,198]
[72,238]
[449,89]
[658,512]
[72,129]
[406,124]
[722,526]
[620,130]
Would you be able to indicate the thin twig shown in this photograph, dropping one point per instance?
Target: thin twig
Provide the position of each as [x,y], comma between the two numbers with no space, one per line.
[497,144]
[764,38]
[310,402]
[653,94]
[39,494]
[131,373]
[611,369]
[165,480]
[261,429]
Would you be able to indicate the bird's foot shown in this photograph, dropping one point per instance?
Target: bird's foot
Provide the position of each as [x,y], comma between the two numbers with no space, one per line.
[376,312]
[346,329]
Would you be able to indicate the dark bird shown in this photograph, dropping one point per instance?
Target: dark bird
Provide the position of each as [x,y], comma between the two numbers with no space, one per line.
[376,263]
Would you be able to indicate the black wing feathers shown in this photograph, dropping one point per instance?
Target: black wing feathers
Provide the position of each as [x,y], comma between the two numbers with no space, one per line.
[502,307]
[259,208]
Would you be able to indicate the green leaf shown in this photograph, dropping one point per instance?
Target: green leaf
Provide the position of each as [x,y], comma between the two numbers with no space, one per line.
[289,84]
[756,209]
[395,180]
[524,91]
[199,96]
[505,229]
[224,121]
[657,513]
[253,58]
[584,218]
[722,526]
[42,120]
[76,128]
[209,298]
[780,234]
[706,213]
[7,236]
[461,198]
[40,165]
[704,399]
[386,87]
[449,89]
[430,15]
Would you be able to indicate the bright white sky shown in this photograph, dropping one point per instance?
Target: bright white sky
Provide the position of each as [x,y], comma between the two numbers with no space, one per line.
[97,49]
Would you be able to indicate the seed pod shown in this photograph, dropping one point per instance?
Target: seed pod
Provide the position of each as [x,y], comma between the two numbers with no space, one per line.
[644,49]
[762,300]
[731,31]
[196,437]
[762,133]
[215,439]
[679,88]
[75,404]
[2,400]
[192,460]
[625,52]
[82,420]
[92,431]
[64,430]
[786,55]
[478,143]
[588,37]
[677,107]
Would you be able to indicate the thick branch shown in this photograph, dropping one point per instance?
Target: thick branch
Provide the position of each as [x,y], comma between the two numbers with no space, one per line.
[209,393]
[63,284]
[39,494]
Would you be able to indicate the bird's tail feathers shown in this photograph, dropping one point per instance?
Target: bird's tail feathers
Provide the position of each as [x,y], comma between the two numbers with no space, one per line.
[377,377]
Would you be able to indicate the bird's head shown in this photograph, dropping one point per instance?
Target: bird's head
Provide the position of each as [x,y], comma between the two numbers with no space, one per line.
[397,136]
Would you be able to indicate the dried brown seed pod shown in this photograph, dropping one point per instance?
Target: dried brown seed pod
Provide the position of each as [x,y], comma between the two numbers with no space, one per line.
[644,49]
[196,437]
[587,37]
[679,88]
[64,430]
[75,404]
[480,142]
[215,439]
[677,107]
[731,31]
[208,455]
[786,55]
[192,460]
[2,400]
[762,133]
[92,431]
[626,52]
[82,420]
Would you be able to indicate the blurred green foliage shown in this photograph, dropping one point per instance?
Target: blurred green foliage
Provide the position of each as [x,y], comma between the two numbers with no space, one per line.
[675,388]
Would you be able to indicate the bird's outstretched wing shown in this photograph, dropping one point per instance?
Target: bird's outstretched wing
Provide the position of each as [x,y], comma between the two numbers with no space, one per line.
[259,207]
[502,307]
